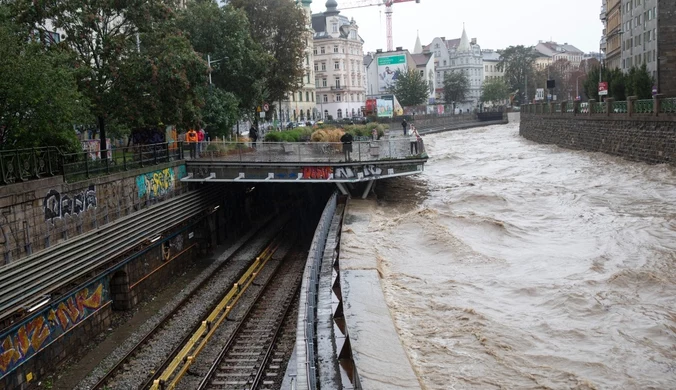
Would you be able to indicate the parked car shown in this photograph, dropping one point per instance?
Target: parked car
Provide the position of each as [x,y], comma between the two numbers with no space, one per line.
[300,124]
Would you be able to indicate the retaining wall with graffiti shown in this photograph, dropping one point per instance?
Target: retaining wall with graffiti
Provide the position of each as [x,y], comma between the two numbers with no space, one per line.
[38,214]
[24,341]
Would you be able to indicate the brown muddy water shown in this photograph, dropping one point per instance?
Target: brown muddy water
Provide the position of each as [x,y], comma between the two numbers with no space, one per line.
[515,265]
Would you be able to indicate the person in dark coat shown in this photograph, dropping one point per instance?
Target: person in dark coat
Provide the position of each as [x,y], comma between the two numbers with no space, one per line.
[253,135]
[347,139]
[404,124]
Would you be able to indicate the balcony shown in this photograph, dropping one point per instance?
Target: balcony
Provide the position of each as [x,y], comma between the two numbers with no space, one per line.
[337,88]
[604,12]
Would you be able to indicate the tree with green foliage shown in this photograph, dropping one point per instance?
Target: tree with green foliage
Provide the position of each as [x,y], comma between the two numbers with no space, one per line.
[411,88]
[456,87]
[39,101]
[517,63]
[162,83]
[119,72]
[640,82]
[238,63]
[281,28]
[494,91]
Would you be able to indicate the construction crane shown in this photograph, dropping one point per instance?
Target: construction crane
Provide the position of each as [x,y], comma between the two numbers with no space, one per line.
[388,12]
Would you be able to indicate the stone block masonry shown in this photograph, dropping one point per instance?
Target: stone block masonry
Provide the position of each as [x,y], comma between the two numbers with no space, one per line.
[38,214]
[666,46]
[648,139]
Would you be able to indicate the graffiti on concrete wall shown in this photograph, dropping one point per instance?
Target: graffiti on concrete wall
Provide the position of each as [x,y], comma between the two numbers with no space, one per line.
[59,205]
[351,173]
[21,343]
[159,183]
[317,173]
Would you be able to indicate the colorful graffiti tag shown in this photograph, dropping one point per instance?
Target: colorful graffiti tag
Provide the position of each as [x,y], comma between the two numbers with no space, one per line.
[59,205]
[21,343]
[158,183]
[317,173]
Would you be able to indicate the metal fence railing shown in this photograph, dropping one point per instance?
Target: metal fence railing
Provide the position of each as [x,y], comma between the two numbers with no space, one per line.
[35,163]
[84,165]
[656,106]
[308,152]
[27,164]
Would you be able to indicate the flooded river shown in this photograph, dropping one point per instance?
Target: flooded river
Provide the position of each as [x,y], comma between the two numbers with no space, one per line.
[515,265]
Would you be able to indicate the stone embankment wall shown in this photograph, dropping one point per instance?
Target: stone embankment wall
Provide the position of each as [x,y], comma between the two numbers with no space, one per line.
[431,121]
[35,215]
[650,139]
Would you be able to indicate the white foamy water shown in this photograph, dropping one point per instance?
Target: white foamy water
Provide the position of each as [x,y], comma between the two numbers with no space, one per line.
[515,265]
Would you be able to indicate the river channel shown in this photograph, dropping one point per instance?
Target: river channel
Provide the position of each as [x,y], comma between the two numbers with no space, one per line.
[515,265]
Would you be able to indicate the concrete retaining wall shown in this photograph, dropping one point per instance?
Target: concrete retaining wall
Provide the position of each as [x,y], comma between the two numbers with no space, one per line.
[649,139]
[38,214]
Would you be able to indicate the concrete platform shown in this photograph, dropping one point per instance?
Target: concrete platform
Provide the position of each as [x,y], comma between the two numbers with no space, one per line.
[380,358]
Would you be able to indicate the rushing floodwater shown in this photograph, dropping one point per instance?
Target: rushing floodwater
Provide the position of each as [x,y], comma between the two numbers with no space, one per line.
[515,265]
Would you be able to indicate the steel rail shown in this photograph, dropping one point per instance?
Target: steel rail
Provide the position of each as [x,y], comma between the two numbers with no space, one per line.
[175,367]
[181,305]
[54,271]
[231,340]
[208,377]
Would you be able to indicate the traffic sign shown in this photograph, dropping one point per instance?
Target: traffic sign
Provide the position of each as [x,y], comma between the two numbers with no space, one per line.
[603,88]
[266,107]
[654,90]
[540,94]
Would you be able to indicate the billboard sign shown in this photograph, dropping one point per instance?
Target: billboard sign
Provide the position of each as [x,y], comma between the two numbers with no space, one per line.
[385,108]
[603,88]
[389,69]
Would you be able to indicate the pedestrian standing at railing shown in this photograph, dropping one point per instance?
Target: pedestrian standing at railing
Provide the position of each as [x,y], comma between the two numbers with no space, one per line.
[253,135]
[200,140]
[415,139]
[191,138]
[347,139]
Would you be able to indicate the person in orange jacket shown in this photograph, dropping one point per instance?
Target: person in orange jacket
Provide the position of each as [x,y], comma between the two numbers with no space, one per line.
[191,136]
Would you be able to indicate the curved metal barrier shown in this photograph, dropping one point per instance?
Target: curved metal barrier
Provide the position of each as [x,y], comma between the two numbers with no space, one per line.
[307,308]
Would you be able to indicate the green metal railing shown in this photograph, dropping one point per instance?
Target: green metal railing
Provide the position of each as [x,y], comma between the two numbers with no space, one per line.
[619,107]
[598,108]
[668,106]
[645,106]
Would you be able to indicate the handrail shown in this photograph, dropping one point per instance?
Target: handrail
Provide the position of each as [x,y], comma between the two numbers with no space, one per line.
[20,165]
[657,106]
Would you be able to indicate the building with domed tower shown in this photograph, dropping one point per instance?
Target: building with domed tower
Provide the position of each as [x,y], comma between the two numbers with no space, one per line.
[340,75]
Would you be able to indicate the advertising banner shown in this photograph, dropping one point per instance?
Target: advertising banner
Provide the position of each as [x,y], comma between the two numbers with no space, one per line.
[385,108]
[389,69]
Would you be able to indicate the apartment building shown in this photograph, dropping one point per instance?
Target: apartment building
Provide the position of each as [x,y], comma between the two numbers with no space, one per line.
[338,55]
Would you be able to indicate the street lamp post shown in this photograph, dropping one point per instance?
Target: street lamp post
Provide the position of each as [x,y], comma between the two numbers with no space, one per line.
[209,62]
[577,86]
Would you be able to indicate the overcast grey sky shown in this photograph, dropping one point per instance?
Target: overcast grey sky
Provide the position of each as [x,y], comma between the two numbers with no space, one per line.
[496,24]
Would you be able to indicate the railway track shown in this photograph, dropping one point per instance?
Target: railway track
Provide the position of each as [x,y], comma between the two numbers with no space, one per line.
[64,264]
[153,353]
[255,356]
